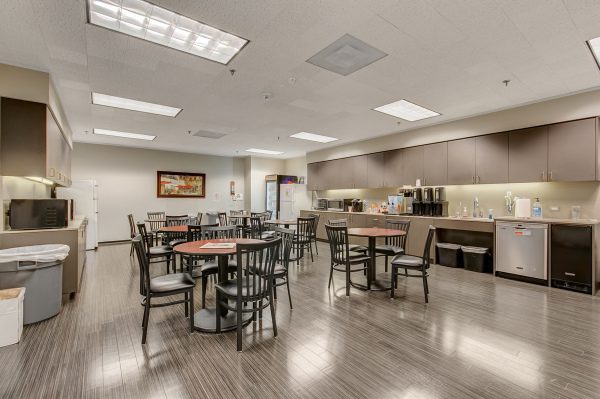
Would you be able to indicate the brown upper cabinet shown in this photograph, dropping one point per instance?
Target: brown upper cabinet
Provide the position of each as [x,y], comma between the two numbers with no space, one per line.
[392,162]
[360,178]
[491,158]
[412,165]
[435,164]
[461,161]
[572,151]
[375,170]
[528,155]
[314,179]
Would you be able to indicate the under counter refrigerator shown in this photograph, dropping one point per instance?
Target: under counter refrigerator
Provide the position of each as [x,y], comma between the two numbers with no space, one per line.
[84,194]
[273,194]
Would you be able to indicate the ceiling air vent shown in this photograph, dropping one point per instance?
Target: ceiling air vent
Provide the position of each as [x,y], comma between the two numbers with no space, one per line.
[209,135]
[346,55]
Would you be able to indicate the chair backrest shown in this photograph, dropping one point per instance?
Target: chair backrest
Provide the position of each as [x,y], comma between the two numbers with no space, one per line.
[269,214]
[427,248]
[194,233]
[223,218]
[146,238]
[259,260]
[287,239]
[156,220]
[132,232]
[215,232]
[338,222]
[138,244]
[199,218]
[177,220]
[236,213]
[317,218]
[338,243]
[402,225]
[305,229]
[256,227]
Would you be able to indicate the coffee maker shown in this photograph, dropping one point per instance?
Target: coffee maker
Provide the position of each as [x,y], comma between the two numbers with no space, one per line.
[439,206]
[357,205]
[417,201]
[427,205]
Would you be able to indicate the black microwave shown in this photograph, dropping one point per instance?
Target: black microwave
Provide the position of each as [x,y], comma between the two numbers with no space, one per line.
[38,214]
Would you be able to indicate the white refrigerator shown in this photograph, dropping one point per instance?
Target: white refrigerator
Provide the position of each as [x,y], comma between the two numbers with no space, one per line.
[84,194]
[291,200]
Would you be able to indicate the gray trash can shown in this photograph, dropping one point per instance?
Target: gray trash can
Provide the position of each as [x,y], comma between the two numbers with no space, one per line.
[211,218]
[38,268]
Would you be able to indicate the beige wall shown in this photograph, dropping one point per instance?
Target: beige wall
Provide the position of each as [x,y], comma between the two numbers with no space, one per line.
[577,106]
[126,180]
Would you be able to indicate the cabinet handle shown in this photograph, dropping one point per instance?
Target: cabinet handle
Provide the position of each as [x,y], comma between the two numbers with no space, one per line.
[478,179]
[550,176]
[543,175]
[472,179]
[52,172]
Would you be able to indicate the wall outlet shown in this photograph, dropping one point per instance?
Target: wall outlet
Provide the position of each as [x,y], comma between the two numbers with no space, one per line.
[555,208]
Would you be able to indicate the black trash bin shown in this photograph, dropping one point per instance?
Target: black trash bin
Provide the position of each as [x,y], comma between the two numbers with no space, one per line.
[476,259]
[448,254]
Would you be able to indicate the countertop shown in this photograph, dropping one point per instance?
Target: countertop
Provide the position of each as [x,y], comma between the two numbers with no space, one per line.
[466,219]
[73,225]
[548,220]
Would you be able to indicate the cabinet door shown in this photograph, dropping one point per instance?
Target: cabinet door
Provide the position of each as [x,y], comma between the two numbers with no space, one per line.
[412,165]
[435,164]
[339,174]
[572,151]
[461,161]
[313,178]
[491,158]
[392,163]
[54,149]
[375,170]
[528,155]
[359,171]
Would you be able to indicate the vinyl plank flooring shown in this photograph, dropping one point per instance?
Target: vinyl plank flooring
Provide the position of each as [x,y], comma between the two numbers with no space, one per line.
[479,337]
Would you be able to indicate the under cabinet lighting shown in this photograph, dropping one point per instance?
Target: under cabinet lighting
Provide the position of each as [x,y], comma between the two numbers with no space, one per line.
[259,151]
[594,45]
[406,110]
[146,21]
[313,137]
[138,136]
[134,105]
[40,180]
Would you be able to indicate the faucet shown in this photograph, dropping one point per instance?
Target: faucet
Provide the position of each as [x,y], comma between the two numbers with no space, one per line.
[475,207]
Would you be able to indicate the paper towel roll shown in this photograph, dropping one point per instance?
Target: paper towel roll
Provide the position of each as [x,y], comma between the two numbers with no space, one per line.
[523,208]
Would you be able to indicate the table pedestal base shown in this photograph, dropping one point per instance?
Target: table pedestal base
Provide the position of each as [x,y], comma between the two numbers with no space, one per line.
[382,282]
[206,320]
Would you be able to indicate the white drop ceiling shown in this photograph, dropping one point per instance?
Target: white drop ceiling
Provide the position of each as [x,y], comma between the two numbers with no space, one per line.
[449,56]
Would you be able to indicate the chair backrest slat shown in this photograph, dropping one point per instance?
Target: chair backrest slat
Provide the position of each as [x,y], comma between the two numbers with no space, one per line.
[305,229]
[427,248]
[338,243]
[156,220]
[259,261]
[287,238]
[402,225]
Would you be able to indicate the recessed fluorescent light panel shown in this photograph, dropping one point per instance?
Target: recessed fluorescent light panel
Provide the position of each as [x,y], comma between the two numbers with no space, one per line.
[346,55]
[406,110]
[259,151]
[313,137]
[146,21]
[134,105]
[126,135]
[594,45]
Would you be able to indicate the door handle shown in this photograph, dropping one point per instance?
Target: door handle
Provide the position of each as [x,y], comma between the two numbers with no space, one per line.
[550,176]
[478,179]
[543,175]
[472,179]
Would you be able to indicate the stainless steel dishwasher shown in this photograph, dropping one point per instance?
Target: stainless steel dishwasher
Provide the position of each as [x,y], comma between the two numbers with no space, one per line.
[522,251]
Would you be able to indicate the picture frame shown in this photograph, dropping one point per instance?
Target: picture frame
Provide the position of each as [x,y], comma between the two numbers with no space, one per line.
[180,184]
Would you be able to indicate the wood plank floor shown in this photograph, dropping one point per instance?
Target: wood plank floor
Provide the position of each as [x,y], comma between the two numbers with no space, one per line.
[479,336]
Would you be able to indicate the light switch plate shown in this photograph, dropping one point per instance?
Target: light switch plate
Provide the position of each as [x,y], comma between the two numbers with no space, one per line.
[555,208]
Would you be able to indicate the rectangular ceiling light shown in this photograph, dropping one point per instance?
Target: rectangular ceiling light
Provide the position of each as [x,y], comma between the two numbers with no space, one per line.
[147,21]
[594,45]
[259,151]
[126,135]
[134,105]
[406,110]
[313,137]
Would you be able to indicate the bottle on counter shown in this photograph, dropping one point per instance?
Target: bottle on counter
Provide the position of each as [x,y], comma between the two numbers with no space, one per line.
[537,208]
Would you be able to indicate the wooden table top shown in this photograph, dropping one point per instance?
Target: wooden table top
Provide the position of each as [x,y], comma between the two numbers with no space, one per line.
[155,220]
[375,232]
[288,222]
[194,247]
[173,229]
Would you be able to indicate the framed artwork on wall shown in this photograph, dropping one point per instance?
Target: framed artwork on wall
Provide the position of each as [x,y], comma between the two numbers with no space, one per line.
[180,185]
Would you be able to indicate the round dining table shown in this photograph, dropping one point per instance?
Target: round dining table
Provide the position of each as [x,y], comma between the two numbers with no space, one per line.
[205,320]
[382,282]
[283,222]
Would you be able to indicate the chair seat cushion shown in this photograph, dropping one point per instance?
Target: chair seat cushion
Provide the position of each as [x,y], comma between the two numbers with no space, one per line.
[389,249]
[161,250]
[213,267]
[230,287]
[357,248]
[408,261]
[267,235]
[178,241]
[171,282]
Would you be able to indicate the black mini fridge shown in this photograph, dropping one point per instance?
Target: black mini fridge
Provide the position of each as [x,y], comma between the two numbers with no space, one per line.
[571,261]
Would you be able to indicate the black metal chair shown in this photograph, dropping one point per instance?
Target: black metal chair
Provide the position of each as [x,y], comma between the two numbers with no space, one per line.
[171,238]
[418,264]
[160,253]
[156,221]
[258,231]
[317,217]
[303,238]
[251,291]
[353,247]
[132,232]
[342,259]
[281,268]
[162,286]
[393,245]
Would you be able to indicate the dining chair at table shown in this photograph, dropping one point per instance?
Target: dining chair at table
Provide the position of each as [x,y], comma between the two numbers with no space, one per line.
[393,245]
[156,220]
[258,231]
[132,232]
[342,259]
[317,217]
[305,228]
[172,238]
[156,253]
[281,276]
[162,286]
[414,263]
[250,292]
[353,247]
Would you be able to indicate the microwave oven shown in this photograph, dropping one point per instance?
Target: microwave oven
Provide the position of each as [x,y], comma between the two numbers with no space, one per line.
[335,204]
[38,214]
[321,204]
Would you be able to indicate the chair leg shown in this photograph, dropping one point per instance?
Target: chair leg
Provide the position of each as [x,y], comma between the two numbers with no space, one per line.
[347,279]
[316,246]
[131,250]
[330,276]
[218,312]
[185,304]
[287,282]
[145,322]
[368,265]
[386,263]
[239,326]
[272,306]
[311,252]
[204,284]
[394,281]
[274,289]
[405,272]
[191,305]
[425,287]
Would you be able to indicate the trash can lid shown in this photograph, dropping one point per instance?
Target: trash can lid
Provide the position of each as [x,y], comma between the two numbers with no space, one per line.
[475,250]
[446,245]
[35,253]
